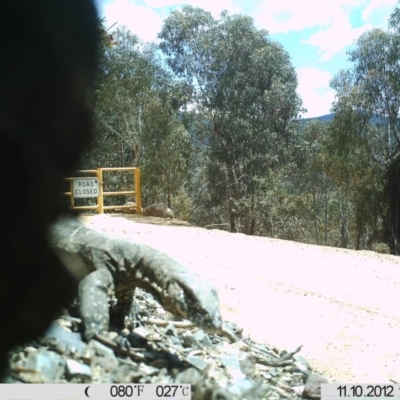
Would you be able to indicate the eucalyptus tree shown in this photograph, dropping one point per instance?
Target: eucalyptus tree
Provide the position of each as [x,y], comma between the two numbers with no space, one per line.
[123,82]
[393,172]
[245,87]
[366,126]
[137,110]
[311,180]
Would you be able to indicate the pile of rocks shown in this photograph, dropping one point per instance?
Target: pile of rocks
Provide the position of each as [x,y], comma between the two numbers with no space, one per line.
[164,350]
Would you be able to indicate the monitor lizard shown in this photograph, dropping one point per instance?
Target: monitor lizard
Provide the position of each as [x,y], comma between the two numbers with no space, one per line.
[108,265]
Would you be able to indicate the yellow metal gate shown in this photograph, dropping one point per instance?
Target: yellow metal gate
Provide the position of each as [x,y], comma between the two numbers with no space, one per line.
[99,193]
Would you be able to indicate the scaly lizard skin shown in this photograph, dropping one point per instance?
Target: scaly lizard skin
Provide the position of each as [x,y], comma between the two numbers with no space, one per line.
[108,265]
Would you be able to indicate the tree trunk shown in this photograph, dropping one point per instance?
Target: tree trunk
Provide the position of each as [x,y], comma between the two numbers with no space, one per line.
[252,218]
[344,242]
[168,189]
[122,154]
[232,198]
[315,217]
[232,217]
[326,213]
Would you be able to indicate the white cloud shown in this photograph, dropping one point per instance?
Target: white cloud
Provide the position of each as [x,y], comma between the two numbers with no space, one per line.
[215,7]
[378,11]
[289,15]
[139,19]
[332,19]
[145,19]
[314,90]
[340,33]
[335,38]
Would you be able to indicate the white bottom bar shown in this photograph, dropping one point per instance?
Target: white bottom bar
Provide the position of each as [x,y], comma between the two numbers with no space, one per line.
[94,391]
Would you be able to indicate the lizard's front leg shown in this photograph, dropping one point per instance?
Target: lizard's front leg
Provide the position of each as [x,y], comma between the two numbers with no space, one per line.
[94,291]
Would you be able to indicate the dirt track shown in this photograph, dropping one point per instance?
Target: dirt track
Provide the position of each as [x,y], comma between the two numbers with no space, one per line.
[343,306]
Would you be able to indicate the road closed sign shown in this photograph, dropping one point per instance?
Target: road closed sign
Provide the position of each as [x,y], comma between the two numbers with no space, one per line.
[85,187]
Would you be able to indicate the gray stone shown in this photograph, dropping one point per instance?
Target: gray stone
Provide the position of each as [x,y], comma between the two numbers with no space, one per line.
[65,341]
[49,364]
[215,368]
[197,362]
[123,374]
[302,364]
[141,331]
[312,388]
[242,386]
[170,330]
[247,363]
[158,210]
[190,375]
[102,356]
[78,372]
[202,338]
[189,340]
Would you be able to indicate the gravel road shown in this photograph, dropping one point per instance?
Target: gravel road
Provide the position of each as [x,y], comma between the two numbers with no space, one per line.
[343,306]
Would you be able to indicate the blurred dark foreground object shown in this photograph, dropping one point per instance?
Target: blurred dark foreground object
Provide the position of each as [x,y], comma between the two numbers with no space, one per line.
[48,62]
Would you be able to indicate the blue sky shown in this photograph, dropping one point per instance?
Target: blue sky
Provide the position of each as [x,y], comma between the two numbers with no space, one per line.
[316,33]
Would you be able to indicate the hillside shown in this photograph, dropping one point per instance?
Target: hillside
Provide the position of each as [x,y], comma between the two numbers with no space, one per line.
[322,118]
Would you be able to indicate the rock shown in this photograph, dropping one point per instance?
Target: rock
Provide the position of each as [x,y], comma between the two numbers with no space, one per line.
[202,338]
[141,331]
[49,364]
[65,341]
[302,364]
[312,388]
[190,375]
[129,207]
[123,374]
[170,330]
[247,363]
[176,352]
[197,362]
[198,340]
[78,372]
[190,341]
[102,356]
[229,357]
[243,387]
[158,210]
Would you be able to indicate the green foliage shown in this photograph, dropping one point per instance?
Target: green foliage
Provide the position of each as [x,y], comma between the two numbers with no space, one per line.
[245,87]
[365,133]
[382,248]
[137,105]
